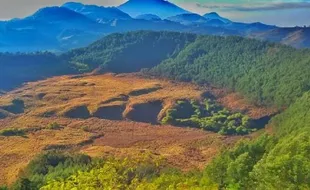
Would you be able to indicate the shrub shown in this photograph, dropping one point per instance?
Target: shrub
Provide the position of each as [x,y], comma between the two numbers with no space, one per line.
[12,132]
[54,126]
[208,116]
[85,128]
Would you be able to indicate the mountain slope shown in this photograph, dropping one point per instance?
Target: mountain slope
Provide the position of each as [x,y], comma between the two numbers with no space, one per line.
[161,8]
[97,13]
[261,71]
[51,28]
[130,52]
[149,17]
[296,37]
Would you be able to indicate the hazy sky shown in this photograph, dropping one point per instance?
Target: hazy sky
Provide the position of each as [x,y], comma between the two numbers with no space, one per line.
[275,12]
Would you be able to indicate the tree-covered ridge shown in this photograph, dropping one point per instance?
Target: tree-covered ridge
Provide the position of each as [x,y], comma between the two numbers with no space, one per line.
[208,116]
[18,68]
[130,52]
[266,73]
[281,161]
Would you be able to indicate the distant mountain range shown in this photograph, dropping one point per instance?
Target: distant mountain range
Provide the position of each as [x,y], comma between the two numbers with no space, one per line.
[75,25]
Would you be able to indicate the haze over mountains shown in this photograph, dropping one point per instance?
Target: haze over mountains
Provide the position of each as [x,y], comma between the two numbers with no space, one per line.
[75,25]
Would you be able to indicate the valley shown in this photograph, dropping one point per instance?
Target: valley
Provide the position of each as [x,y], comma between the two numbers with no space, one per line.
[108,115]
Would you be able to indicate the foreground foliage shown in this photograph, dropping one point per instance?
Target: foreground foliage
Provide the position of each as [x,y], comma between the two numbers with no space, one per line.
[281,161]
[55,170]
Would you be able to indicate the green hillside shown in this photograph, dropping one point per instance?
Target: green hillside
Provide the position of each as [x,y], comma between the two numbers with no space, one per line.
[15,69]
[129,52]
[265,73]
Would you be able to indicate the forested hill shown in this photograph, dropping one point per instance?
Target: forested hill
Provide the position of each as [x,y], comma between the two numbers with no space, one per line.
[130,52]
[266,73]
[15,69]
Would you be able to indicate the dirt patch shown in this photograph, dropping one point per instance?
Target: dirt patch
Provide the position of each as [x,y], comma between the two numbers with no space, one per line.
[237,103]
[110,112]
[140,92]
[145,112]
[4,114]
[78,112]
[40,96]
[16,107]
[261,122]
[121,97]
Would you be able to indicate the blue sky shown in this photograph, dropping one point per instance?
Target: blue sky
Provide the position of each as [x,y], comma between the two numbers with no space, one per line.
[275,12]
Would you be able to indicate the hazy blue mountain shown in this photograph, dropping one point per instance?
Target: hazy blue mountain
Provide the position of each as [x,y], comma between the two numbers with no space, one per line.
[98,13]
[75,25]
[161,8]
[214,15]
[46,29]
[247,29]
[298,37]
[149,17]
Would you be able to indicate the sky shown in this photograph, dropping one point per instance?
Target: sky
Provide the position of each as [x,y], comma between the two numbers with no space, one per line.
[274,12]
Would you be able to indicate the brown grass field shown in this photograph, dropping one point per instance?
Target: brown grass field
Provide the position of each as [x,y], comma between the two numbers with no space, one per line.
[109,115]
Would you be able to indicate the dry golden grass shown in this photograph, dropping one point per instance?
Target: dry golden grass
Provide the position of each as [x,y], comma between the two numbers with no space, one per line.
[117,96]
[17,152]
[52,99]
[57,96]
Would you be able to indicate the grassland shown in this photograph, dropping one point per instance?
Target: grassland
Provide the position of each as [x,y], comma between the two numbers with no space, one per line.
[108,115]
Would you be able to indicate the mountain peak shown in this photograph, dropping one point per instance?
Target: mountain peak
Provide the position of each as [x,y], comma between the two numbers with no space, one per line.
[56,13]
[162,8]
[214,15]
[73,5]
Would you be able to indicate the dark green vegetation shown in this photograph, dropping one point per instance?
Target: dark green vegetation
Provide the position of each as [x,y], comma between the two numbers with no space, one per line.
[208,116]
[55,170]
[15,69]
[50,166]
[12,132]
[265,73]
[17,106]
[129,52]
